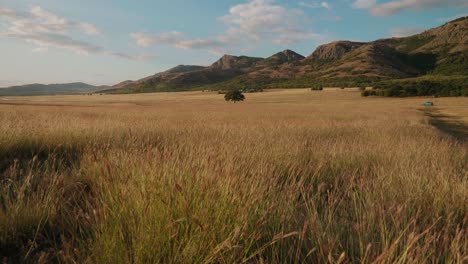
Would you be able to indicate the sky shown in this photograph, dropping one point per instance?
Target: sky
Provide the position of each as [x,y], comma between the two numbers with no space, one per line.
[103,42]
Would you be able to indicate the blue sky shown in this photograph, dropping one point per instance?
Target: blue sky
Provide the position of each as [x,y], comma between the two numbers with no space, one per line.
[108,41]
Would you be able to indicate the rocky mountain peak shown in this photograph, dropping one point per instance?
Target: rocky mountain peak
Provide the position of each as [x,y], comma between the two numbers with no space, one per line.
[335,50]
[228,62]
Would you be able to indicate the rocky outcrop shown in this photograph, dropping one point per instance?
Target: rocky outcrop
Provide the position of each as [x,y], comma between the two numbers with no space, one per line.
[285,56]
[334,50]
[229,62]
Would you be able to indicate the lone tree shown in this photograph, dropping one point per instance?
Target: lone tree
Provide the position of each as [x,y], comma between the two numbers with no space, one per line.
[234,96]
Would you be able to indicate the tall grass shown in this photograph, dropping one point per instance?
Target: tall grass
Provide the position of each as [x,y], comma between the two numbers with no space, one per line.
[303,179]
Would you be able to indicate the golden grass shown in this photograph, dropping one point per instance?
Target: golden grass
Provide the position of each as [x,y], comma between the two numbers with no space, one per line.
[287,176]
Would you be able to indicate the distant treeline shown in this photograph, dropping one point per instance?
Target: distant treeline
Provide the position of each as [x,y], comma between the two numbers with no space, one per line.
[427,86]
[311,82]
[260,83]
[430,85]
[420,87]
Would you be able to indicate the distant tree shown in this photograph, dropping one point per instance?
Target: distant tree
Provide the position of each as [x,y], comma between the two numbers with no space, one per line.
[234,96]
[317,87]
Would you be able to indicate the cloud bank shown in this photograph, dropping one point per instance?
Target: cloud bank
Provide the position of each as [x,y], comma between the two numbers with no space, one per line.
[397,6]
[46,29]
[255,21]
[325,5]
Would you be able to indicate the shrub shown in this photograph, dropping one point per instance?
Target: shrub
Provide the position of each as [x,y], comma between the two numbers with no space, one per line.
[234,96]
[317,87]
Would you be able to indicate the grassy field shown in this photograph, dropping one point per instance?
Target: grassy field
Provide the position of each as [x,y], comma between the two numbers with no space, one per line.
[288,176]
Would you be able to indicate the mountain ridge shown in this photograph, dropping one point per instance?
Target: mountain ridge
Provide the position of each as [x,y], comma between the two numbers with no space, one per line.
[49,89]
[440,50]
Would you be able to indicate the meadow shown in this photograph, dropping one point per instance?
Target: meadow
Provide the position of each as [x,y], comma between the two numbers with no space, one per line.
[288,176]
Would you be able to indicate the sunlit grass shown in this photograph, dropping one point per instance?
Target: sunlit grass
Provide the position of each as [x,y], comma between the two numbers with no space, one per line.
[287,176]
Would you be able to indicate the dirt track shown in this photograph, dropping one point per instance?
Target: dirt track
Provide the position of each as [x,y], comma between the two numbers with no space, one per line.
[448,124]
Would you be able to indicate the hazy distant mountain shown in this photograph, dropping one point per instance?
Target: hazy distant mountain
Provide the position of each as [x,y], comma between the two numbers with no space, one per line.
[50,89]
[442,50]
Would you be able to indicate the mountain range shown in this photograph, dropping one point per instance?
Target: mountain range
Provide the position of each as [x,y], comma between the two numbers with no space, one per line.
[49,89]
[439,51]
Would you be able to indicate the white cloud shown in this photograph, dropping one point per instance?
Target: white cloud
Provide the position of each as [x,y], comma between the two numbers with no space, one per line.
[405,32]
[179,40]
[364,4]
[146,40]
[40,49]
[46,29]
[5,12]
[56,40]
[130,57]
[89,28]
[396,6]
[255,21]
[261,18]
[201,43]
[315,4]
[325,5]
[56,23]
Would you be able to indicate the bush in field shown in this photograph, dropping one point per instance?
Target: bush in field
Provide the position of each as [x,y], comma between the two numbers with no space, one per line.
[317,87]
[234,96]
[365,93]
